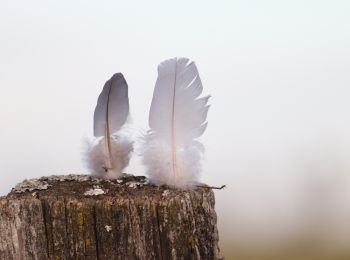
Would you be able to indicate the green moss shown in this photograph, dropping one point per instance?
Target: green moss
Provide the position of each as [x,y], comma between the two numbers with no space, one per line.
[190,240]
[80,221]
[172,210]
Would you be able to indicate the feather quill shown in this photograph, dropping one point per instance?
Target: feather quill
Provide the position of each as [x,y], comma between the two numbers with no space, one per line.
[172,155]
[109,153]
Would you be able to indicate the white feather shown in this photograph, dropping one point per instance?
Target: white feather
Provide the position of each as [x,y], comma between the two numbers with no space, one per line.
[112,108]
[96,156]
[171,153]
[109,153]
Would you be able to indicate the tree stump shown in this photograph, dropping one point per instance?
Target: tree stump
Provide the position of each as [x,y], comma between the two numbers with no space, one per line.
[83,217]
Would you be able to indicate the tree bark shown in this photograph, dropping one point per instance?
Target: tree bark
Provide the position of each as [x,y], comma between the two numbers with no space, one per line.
[83,217]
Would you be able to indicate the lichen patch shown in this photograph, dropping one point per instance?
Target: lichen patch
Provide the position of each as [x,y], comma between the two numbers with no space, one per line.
[96,190]
[108,228]
[31,185]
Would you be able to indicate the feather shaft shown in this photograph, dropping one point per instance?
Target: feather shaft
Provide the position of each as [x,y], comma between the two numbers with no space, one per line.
[107,135]
[173,132]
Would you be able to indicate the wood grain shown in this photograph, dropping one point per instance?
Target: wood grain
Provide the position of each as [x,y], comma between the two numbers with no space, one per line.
[51,218]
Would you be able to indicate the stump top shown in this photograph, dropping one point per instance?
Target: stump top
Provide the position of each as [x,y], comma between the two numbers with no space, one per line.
[85,186]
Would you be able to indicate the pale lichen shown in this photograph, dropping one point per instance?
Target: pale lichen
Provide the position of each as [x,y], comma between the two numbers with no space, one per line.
[134,184]
[108,228]
[31,185]
[165,193]
[96,190]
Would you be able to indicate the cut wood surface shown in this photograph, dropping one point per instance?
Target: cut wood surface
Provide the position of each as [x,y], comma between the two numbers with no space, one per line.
[83,217]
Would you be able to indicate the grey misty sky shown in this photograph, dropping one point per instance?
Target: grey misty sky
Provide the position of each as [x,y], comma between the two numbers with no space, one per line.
[278,73]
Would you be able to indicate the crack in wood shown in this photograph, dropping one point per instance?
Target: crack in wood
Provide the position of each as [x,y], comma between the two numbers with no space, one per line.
[95,232]
[159,234]
[43,207]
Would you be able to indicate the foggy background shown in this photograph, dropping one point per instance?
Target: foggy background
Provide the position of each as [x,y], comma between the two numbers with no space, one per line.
[279,125]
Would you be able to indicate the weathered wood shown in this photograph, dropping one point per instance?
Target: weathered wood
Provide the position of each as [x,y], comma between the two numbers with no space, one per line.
[82,217]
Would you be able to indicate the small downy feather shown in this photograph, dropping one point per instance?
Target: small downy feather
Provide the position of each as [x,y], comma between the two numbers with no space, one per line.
[172,154]
[109,152]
